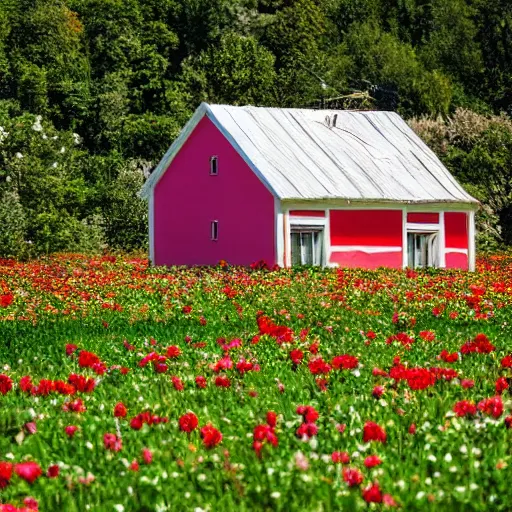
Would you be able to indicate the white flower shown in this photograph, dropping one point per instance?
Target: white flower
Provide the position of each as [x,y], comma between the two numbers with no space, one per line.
[19,155]
[448,457]
[428,481]
[460,489]
[201,477]
[37,126]
[119,508]
[77,138]
[453,469]
[276,495]
[463,449]
[476,451]
[432,457]
[89,445]
[187,495]
[420,495]
[54,165]
[400,484]
[473,486]
[270,471]
[62,149]
[356,373]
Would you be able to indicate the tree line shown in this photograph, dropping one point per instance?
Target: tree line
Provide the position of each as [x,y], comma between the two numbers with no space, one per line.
[92,93]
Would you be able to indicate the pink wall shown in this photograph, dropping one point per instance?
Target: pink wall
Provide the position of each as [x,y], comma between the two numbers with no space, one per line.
[456,237]
[187,199]
[368,228]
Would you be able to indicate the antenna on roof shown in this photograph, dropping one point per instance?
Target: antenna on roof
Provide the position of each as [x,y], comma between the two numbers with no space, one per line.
[334,119]
[328,121]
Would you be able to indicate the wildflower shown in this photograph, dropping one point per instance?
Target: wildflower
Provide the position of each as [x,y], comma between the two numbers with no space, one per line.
[53,471]
[309,413]
[120,410]
[352,476]
[491,406]
[296,356]
[28,471]
[501,385]
[201,382]
[5,474]
[210,435]
[372,494]
[340,457]
[188,422]
[467,383]
[173,352]
[464,408]
[71,430]
[222,381]
[378,391]
[344,362]
[177,383]
[112,442]
[372,461]
[5,384]
[412,429]
[147,456]
[373,432]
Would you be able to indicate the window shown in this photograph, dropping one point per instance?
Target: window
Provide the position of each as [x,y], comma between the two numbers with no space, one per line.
[214,166]
[422,249]
[307,246]
[215,230]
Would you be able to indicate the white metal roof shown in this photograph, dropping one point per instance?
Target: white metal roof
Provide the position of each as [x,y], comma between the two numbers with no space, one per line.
[299,154]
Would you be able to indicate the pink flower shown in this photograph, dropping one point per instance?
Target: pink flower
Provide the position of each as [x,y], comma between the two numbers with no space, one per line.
[378,391]
[112,442]
[28,471]
[147,456]
[352,476]
[70,430]
[340,457]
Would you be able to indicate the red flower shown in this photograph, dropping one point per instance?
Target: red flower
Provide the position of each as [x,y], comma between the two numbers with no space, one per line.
[30,427]
[53,471]
[173,351]
[26,384]
[372,494]
[147,456]
[6,299]
[309,413]
[464,408]
[491,406]
[71,430]
[188,422]
[372,461]
[508,424]
[31,504]
[201,382]
[5,474]
[28,471]
[340,427]
[501,385]
[378,391]
[307,430]
[340,457]
[222,381]
[134,466]
[112,442]
[352,476]
[81,383]
[412,429]
[344,362]
[5,384]
[76,406]
[271,418]
[377,372]
[427,335]
[70,349]
[120,410]
[186,309]
[506,362]
[296,356]
[467,383]
[447,357]
[373,432]
[318,366]
[480,345]
[177,383]
[87,359]
[210,435]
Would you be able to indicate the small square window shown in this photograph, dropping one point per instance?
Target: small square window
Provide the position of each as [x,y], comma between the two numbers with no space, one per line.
[215,230]
[214,165]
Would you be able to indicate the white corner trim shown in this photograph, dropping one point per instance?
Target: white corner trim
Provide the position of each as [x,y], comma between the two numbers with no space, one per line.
[405,256]
[442,241]
[471,242]
[369,249]
[327,239]
[279,233]
[151,221]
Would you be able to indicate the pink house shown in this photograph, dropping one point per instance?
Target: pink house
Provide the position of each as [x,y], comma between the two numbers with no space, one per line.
[318,187]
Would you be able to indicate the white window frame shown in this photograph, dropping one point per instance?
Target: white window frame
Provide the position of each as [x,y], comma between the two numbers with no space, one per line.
[214,165]
[309,225]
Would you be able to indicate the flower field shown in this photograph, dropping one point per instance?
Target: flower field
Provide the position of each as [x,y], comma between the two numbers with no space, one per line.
[130,388]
